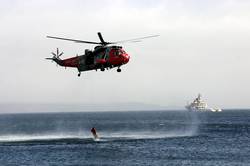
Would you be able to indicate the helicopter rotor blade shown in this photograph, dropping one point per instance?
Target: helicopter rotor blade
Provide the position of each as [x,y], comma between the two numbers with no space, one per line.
[135,39]
[53,54]
[101,38]
[103,43]
[74,40]
[52,59]
[60,54]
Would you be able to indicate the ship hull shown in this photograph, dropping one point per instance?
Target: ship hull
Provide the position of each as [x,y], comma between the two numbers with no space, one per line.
[203,109]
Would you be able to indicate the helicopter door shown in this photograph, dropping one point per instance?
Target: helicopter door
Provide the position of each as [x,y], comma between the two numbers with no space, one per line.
[106,55]
[89,57]
[102,55]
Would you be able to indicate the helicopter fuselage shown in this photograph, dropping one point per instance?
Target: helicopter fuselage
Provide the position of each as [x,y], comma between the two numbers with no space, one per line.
[101,58]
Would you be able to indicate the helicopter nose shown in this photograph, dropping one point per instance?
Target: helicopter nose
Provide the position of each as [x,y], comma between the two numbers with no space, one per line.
[125,58]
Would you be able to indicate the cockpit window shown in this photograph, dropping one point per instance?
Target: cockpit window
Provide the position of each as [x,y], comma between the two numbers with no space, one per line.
[118,52]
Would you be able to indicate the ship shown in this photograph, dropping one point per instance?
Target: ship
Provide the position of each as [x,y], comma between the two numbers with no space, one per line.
[199,105]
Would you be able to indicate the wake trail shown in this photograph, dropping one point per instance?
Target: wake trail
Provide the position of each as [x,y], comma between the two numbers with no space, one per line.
[103,137]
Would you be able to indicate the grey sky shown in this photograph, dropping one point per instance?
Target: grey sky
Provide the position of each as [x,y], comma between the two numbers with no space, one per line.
[203,48]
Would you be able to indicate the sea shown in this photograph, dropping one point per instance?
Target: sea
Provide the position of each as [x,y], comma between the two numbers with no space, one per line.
[126,138]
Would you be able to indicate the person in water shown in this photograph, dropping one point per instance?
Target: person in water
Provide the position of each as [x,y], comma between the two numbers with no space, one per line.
[93,131]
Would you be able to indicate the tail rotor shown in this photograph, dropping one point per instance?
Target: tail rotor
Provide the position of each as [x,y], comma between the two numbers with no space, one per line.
[56,56]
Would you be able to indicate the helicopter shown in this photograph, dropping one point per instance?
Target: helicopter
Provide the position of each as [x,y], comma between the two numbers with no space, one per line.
[106,55]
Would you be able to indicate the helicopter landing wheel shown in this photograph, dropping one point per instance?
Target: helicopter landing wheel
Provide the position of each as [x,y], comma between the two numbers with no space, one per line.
[102,69]
[79,74]
[118,70]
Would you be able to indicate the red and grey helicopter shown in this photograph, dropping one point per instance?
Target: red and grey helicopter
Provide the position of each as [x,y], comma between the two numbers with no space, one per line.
[106,55]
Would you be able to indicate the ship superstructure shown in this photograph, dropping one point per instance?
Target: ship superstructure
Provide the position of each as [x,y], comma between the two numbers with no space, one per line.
[199,105]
